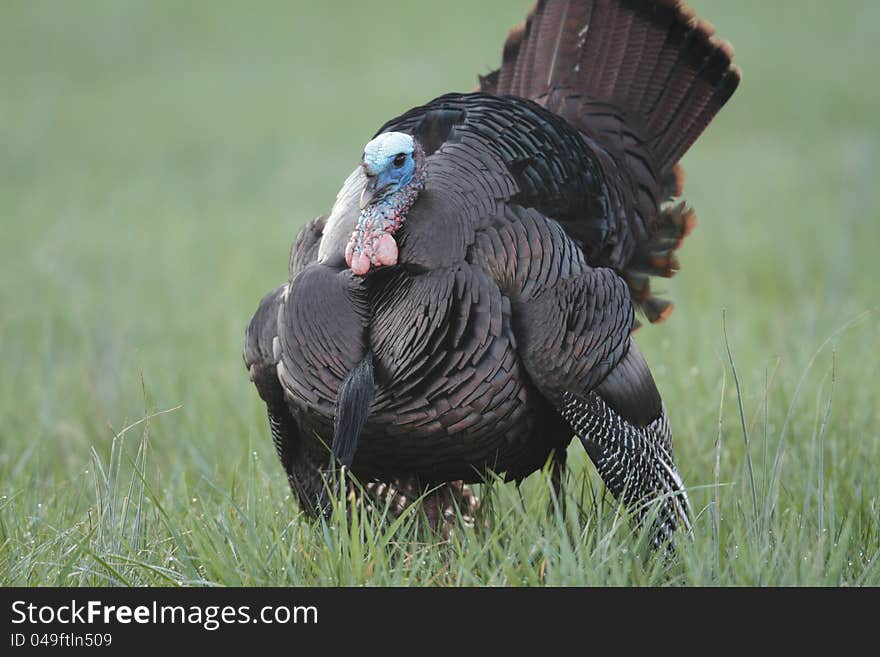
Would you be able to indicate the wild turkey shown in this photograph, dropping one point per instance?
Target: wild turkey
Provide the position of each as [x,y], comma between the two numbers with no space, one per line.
[468,303]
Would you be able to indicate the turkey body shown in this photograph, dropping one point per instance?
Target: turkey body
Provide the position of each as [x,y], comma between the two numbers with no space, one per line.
[452,396]
[504,328]
[452,399]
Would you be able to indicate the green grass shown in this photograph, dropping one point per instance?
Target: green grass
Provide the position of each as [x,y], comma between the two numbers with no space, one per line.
[156,160]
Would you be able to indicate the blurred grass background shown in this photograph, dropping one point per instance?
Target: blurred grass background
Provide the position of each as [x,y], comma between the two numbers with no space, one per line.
[156,160]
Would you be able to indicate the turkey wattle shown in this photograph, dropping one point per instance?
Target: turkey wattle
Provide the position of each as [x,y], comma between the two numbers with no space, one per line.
[467,305]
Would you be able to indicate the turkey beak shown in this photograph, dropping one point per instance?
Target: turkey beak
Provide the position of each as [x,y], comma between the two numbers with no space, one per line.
[369,192]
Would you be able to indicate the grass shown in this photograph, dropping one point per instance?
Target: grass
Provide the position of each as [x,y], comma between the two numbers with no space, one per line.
[156,160]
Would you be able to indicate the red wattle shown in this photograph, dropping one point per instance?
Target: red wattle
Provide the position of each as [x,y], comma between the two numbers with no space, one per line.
[360,264]
[386,250]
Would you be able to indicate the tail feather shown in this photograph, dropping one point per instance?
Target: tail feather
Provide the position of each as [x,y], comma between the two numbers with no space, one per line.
[657,257]
[611,65]
[651,58]
[503,78]
[710,106]
[671,73]
[648,55]
[524,54]
[672,182]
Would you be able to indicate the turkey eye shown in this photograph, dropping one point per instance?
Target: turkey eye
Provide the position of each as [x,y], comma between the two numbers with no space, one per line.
[399,159]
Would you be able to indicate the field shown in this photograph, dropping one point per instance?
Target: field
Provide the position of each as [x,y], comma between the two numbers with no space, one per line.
[156,160]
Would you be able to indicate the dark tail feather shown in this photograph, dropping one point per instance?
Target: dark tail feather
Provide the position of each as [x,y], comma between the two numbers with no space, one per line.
[651,58]
[656,256]
[352,409]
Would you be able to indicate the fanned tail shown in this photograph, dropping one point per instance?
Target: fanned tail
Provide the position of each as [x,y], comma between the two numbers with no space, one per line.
[648,77]
[651,58]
